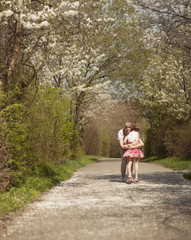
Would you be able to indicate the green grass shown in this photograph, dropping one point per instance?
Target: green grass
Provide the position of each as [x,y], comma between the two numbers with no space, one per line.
[174,163]
[43,177]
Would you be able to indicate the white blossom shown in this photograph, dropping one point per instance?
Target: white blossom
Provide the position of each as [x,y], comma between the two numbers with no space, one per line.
[7,13]
[76,4]
[64,5]
[70,13]
[164,86]
[44,24]
[33,17]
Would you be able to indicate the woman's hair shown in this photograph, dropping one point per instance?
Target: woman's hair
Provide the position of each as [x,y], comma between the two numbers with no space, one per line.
[127,124]
[136,127]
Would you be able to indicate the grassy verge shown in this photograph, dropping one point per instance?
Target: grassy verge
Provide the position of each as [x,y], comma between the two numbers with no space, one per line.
[43,177]
[174,163]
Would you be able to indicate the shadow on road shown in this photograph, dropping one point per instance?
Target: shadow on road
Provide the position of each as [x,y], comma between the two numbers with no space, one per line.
[167,178]
[101,160]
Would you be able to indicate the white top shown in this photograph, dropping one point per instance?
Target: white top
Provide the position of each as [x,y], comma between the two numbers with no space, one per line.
[133,137]
[120,135]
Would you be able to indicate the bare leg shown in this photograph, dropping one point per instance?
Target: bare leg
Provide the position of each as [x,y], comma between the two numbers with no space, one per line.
[123,164]
[123,167]
[136,167]
[129,165]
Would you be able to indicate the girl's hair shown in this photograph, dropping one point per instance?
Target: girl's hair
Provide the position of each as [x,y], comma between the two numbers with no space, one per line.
[136,127]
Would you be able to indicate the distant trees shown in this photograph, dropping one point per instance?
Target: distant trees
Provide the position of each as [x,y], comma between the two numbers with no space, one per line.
[165,91]
[100,137]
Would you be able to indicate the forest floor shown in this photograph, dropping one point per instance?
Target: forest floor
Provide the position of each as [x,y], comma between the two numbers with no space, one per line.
[94,205]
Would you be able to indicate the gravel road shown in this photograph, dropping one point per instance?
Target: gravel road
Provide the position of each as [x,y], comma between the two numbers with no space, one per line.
[94,205]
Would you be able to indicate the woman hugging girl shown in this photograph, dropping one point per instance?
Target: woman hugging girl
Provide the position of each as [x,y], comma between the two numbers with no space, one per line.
[133,154]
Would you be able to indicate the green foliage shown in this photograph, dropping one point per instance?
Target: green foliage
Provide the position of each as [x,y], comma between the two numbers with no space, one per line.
[71,139]
[171,138]
[55,135]
[2,100]
[155,141]
[91,139]
[96,140]
[43,176]
[41,132]
[174,163]
[147,144]
[16,198]
[14,130]
[104,144]
[178,140]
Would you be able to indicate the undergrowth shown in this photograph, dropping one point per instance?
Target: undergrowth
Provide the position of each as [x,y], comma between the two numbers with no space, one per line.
[174,163]
[43,177]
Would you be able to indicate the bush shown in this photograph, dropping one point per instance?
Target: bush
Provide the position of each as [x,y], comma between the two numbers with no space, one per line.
[154,144]
[56,138]
[171,138]
[14,133]
[105,145]
[178,140]
[147,144]
[91,139]
[96,141]
[41,132]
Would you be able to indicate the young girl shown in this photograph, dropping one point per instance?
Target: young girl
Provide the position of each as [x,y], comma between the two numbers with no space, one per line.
[133,154]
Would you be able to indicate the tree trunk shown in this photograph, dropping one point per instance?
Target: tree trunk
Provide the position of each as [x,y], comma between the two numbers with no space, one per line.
[13,58]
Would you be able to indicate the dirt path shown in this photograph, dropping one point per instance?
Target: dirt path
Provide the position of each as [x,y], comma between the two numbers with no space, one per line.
[94,205]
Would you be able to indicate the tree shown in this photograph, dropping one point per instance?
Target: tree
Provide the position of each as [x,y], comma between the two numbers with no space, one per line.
[165,90]
[169,22]
[101,48]
[25,28]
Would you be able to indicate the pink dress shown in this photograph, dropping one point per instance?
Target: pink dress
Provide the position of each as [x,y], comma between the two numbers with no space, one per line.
[135,152]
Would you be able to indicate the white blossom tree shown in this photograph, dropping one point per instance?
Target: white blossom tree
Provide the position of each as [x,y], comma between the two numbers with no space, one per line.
[93,49]
[167,21]
[77,46]
[165,91]
[25,28]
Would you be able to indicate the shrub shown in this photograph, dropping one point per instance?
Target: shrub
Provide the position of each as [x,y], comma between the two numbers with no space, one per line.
[105,145]
[56,138]
[41,132]
[19,150]
[154,144]
[178,140]
[147,144]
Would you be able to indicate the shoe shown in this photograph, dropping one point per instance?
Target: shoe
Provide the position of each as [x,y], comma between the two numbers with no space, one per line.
[129,180]
[136,180]
[122,179]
